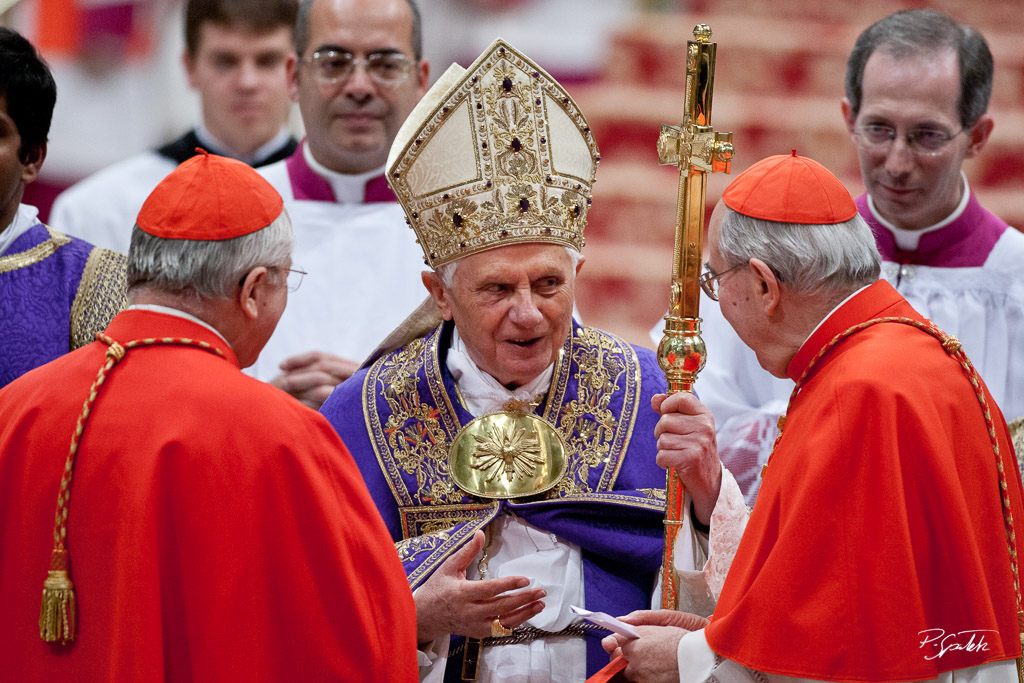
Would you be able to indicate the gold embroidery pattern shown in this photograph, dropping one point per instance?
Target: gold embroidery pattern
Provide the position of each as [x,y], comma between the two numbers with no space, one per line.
[410,548]
[606,367]
[654,494]
[431,519]
[26,258]
[442,539]
[102,294]
[534,155]
[416,437]
[413,435]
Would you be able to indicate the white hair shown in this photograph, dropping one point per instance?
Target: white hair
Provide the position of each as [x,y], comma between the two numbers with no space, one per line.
[446,271]
[806,258]
[206,268]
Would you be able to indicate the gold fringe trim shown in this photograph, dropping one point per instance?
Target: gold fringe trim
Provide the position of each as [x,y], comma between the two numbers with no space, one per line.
[57,614]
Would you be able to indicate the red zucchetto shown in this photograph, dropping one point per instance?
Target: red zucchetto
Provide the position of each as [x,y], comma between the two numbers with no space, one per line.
[210,197]
[790,189]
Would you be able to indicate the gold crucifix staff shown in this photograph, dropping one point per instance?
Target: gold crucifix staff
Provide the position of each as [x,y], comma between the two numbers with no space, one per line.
[697,150]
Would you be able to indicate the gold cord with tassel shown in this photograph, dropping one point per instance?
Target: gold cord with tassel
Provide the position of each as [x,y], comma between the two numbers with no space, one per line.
[57,616]
[58,611]
[952,346]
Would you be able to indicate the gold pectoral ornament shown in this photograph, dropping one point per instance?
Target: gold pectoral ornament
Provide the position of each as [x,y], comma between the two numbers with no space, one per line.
[507,454]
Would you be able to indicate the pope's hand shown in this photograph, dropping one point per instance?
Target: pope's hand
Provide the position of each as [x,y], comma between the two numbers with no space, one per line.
[686,441]
[652,656]
[312,376]
[448,602]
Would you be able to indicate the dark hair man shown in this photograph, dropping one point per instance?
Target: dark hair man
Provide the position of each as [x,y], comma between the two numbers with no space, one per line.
[359,73]
[56,291]
[237,55]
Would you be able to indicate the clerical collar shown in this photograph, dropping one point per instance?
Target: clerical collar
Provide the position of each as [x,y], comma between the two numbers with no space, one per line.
[908,240]
[481,392]
[347,187]
[24,219]
[210,143]
[167,310]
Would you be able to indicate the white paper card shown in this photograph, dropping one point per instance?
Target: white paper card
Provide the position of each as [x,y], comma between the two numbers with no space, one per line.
[606,621]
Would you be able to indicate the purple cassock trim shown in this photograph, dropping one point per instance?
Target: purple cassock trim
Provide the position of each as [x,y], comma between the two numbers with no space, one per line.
[35,304]
[308,185]
[964,243]
[377,190]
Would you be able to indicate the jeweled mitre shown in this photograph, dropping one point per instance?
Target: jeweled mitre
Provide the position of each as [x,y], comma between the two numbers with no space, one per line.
[495,154]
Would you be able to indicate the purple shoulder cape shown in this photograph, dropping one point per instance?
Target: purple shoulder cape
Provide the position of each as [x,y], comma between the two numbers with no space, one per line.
[56,292]
[398,418]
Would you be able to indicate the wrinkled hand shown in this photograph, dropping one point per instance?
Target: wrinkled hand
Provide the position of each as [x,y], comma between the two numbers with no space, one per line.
[312,376]
[652,656]
[448,602]
[686,441]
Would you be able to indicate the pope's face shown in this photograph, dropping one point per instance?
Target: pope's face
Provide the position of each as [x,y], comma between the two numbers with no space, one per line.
[350,125]
[912,190]
[513,308]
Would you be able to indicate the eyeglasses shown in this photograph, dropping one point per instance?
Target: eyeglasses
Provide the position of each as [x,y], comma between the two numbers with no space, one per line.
[295,276]
[709,280]
[331,67]
[921,141]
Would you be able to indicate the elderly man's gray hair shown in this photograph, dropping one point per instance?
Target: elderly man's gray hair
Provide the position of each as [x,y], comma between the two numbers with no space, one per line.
[806,258]
[446,271]
[209,269]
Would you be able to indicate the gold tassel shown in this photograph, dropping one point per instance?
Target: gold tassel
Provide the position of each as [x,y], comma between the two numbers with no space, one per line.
[57,615]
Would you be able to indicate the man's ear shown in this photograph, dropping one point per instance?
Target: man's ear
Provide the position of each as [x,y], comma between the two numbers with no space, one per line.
[978,135]
[252,292]
[770,289]
[423,71]
[432,281]
[579,264]
[190,68]
[292,73]
[33,162]
[848,114]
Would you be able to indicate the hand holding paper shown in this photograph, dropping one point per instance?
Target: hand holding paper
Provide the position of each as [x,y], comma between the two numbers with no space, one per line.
[606,621]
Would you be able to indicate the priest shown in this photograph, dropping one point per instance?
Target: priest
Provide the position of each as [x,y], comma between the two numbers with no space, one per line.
[883,545]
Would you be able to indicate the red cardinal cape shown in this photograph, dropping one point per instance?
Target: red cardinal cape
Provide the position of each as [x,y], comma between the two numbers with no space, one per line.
[218,529]
[877,549]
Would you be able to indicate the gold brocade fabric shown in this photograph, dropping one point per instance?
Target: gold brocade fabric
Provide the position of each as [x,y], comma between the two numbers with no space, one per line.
[1017,435]
[102,294]
[34,255]
[502,156]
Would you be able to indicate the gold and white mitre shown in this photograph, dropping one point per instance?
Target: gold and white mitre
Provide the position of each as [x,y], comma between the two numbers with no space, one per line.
[495,154]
